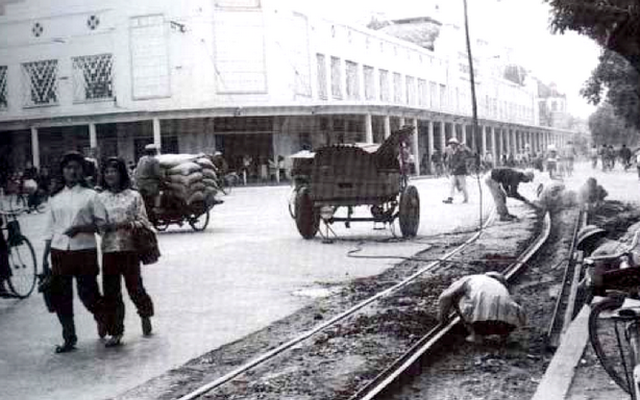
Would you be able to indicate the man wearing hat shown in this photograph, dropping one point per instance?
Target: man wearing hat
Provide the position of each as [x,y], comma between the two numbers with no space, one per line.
[148,177]
[456,156]
[503,183]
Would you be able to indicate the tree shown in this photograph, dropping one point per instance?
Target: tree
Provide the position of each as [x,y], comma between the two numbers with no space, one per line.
[614,24]
[607,128]
[622,82]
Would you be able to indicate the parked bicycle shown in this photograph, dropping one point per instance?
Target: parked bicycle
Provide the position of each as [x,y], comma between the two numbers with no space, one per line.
[614,321]
[22,258]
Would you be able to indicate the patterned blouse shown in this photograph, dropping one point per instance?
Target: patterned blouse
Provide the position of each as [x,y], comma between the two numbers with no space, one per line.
[124,206]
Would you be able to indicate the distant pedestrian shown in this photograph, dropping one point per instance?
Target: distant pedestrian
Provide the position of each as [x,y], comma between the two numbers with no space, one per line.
[503,183]
[125,211]
[456,156]
[593,156]
[625,156]
[436,160]
[75,213]
[484,305]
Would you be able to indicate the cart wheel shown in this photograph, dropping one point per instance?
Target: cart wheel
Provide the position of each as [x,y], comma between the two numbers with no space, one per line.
[200,223]
[307,218]
[409,212]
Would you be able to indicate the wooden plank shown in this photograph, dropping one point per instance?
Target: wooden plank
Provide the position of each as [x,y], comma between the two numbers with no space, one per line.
[559,375]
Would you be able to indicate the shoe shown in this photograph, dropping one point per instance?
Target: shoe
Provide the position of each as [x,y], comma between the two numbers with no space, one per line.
[465,201]
[448,201]
[146,326]
[66,347]
[115,340]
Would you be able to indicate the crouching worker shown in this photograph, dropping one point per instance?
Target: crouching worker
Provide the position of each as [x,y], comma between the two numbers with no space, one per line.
[484,306]
[503,183]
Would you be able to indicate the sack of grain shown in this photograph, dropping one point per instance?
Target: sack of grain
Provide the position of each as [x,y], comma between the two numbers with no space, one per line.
[185,168]
[209,174]
[196,197]
[210,183]
[205,163]
[168,161]
[187,180]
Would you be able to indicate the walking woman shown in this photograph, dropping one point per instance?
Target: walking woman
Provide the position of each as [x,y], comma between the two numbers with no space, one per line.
[75,214]
[125,210]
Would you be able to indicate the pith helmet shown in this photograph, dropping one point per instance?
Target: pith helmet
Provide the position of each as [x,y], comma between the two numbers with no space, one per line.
[588,232]
[453,141]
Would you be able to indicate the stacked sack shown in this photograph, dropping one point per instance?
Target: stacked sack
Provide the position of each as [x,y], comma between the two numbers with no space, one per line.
[189,178]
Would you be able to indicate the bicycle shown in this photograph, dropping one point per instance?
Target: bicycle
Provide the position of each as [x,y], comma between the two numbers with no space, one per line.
[610,320]
[22,258]
[227,182]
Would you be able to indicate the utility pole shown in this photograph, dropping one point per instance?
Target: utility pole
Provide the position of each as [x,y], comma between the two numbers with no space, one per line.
[474,106]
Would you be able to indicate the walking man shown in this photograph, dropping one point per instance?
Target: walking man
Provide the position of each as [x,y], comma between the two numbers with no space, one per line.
[456,156]
[503,183]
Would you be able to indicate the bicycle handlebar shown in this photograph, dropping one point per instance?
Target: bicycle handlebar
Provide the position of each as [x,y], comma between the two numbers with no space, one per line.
[11,213]
[634,243]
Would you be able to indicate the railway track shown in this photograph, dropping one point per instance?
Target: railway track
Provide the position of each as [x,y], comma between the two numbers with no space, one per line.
[564,307]
[396,368]
[431,339]
[262,359]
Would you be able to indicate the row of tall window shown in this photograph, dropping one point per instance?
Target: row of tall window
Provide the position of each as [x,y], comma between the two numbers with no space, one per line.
[391,87]
[92,79]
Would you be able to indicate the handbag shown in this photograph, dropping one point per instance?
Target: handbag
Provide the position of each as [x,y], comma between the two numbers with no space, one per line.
[46,286]
[146,244]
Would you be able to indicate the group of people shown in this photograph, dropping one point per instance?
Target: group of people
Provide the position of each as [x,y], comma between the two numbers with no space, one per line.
[608,156]
[502,182]
[77,213]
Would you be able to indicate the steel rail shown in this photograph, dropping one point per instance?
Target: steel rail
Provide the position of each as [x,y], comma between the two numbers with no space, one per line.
[427,342]
[557,320]
[285,346]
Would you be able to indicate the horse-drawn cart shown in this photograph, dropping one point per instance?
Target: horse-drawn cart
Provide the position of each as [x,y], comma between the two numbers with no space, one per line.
[355,175]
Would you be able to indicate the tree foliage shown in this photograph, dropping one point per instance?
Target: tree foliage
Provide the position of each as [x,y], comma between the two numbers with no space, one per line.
[621,82]
[614,24]
[607,128]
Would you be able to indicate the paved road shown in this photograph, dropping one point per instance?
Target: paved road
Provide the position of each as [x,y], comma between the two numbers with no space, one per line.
[210,288]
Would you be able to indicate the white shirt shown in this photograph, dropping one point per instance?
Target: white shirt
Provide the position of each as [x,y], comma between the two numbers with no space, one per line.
[73,207]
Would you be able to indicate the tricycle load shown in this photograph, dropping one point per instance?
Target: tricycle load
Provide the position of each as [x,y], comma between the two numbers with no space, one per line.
[189,188]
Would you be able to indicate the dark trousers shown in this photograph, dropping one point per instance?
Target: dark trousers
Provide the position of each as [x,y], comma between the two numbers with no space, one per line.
[126,265]
[83,266]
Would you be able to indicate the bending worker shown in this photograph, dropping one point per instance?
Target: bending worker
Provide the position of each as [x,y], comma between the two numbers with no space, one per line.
[503,183]
[484,305]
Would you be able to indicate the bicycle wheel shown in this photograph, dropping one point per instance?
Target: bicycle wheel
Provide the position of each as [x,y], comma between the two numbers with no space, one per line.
[602,334]
[22,261]
[200,222]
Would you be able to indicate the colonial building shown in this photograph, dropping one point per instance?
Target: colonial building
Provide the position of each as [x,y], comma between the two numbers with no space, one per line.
[245,77]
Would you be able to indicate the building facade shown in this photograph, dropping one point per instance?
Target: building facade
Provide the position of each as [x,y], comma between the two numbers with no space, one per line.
[244,77]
